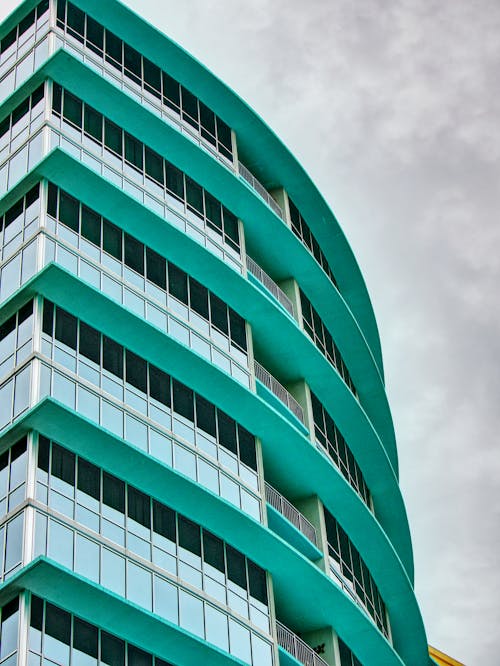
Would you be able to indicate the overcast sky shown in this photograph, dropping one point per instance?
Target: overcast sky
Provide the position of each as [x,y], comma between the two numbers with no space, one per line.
[393,109]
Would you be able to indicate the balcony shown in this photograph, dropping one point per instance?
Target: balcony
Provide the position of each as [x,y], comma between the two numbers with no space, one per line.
[296,647]
[271,286]
[286,509]
[249,178]
[279,391]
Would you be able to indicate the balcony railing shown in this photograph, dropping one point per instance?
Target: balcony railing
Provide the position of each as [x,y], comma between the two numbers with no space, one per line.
[281,504]
[279,391]
[270,285]
[260,189]
[297,648]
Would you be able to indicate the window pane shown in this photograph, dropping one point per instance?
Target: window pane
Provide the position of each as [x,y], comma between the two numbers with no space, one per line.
[198,297]
[113,137]
[112,240]
[194,196]
[175,181]
[236,570]
[134,254]
[72,109]
[113,492]
[95,35]
[156,267]
[154,166]
[91,226]
[93,123]
[227,431]
[112,356]
[213,551]
[218,312]
[113,48]
[136,371]
[164,521]
[63,464]
[189,536]
[159,385]
[139,507]
[257,582]
[66,328]
[89,479]
[133,151]
[69,209]
[90,343]
[112,650]
[183,400]
[85,637]
[205,415]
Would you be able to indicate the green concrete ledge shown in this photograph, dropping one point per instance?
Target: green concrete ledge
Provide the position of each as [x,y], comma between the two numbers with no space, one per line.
[297,605]
[94,603]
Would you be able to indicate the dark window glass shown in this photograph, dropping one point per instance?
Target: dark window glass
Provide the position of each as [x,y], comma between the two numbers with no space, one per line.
[4,460]
[43,453]
[58,623]
[133,151]
[132,62]
[26,22]
[113,492]
[112,356]
[213,211]
[36,619]
[90,343]
[236,570]
[48,317]
[139,507]
[227,431]
[189,535]
[95,35]
[66,328]
[61,10]
[218,312]
[257,582]
[175,181]
[112,650]
[69,209]
[89,479]
[37,96]
[207,122]
[52,201]
[177,283]
[213,551]
[14,212]
[137,657]
[159,385]
[113,137]
[18,449]
[75,19]
[164,521]
[137,371]
[72,110]
[32,195]
[112,240]
[247,447]
[113,49]
[25,312]
[91,226]
[8,40]
[56,98]
[85,637]
[4,126]
[134,254]
[238,332]
[156,268]
[183,400]
[224,135]
[63,464]
[189,107]
[93,123]
[198,298]
[231,226]
[9,326]
[194,195]
[152,77]
[205,415]
[154,166]
[171,92]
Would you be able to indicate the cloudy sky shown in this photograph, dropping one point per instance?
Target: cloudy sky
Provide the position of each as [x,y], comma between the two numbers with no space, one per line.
[393,109]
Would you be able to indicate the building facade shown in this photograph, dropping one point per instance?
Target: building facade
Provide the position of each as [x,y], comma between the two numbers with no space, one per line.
[198,463]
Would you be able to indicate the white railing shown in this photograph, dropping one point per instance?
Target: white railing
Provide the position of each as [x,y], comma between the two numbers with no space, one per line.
[279,391]
[281,504]
[254,268]
[260,189]
[297,648]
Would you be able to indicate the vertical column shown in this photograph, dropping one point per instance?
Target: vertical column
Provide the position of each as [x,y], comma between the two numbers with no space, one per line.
[24,624]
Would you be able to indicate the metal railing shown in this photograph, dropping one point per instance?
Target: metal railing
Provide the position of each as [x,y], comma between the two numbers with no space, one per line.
[297,647]
[261,190]
[281,504]
[270,285]
[279,391]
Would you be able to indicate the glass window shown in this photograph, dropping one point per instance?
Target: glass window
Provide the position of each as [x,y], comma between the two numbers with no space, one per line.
[85,637]
[236,570]
[90,343]
[9,628]
[66,328]
[112,240]
[205,415]
[112,650]
[113,49]
[133,151]
[113,137]
[159,385]
[72,109]
[93,123]
[189,536]
[177,283]
[89,479]
[171,92]
[218,312]
[183,400]
[69,210]
[136,371]
[164,521]
[152,77]
[134,254]
[95,35]
[139,507]
[113,492]
[112,356]
[156,267]
[63,464]
[154,166]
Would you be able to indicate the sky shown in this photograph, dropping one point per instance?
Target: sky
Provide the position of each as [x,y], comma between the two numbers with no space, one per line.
[393,109]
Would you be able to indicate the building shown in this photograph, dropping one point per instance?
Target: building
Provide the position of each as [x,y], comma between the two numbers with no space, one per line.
[198,459]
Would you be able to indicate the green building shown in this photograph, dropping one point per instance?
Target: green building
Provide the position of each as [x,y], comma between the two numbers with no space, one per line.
[198,462]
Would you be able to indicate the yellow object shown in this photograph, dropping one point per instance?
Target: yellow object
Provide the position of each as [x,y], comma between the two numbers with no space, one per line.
[443,659]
